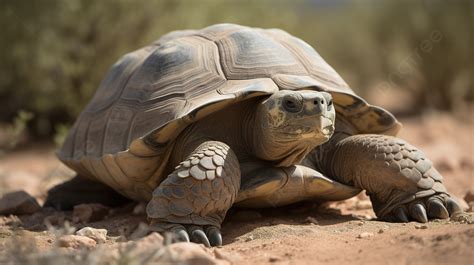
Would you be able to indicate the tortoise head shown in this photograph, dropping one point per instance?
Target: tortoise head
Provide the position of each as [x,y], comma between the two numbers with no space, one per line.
[295,121]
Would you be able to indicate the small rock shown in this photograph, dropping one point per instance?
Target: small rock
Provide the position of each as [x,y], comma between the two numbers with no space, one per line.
[84,213]
[18,203]
[363,205]
[246,215]
[139,209]
[311,220]
[420,226]
[99,235]
[381,231]
[360,223]
[249,238]
[273,259]
[365,235]
[76,242]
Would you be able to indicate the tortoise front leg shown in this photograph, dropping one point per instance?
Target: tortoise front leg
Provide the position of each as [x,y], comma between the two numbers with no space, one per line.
[401,182]
[193,201]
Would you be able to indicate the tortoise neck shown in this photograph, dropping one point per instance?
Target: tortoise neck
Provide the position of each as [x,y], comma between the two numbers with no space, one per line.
[267,146]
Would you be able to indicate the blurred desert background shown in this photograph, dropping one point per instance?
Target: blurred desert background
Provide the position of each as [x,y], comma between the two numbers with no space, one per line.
[414,58]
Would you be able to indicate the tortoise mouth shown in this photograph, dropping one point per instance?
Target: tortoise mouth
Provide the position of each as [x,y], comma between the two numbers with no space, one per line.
[290,132]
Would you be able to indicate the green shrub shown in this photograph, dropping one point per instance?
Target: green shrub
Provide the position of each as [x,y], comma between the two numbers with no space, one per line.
[54,53]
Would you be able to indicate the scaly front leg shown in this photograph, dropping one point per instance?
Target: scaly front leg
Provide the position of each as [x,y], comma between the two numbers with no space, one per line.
[401,182]
[193,201]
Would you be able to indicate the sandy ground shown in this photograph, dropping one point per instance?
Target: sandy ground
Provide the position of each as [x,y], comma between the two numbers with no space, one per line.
[336,233]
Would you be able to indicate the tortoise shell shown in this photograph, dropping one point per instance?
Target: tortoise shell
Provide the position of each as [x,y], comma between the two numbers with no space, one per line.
[125,134]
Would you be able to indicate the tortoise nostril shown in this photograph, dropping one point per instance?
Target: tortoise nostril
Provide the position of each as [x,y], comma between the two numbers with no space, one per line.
[319,102]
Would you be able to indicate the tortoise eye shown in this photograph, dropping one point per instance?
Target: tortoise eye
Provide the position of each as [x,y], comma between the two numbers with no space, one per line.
[291,105]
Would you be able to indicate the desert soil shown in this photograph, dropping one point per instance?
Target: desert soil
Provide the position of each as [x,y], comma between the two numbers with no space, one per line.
[334,233]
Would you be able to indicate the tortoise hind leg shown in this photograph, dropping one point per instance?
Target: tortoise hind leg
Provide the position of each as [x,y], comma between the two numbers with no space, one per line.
[80,190]
[193,200]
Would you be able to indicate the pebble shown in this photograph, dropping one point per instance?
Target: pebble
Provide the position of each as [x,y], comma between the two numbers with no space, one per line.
[365,235]
[99,235]
[249,238]
[84,213]
[383,229]
[18,203]
[76,242]
[311,220]
[419,226]
[360,223]
[363,205]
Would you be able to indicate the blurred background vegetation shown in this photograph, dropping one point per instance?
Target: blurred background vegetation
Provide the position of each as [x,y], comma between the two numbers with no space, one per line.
[54,53]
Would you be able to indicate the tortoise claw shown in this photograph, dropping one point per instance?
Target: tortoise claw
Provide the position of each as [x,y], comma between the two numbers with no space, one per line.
[198,236]
[181,235]
[214,235]
[418,212]
[453,207]
[436,209]
[401,215]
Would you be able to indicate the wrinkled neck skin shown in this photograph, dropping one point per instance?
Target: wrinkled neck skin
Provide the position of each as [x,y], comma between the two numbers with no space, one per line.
[322,156]
[271,146]
[247,133]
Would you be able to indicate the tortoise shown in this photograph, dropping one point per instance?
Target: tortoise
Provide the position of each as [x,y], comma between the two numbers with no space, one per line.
[202,120]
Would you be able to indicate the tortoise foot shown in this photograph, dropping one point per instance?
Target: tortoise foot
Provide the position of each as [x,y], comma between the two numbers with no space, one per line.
[401,181]
[208,235]
[193,200]
[428,208]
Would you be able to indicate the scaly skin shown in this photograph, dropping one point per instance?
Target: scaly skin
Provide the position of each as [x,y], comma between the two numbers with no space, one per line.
[195,197]
[401,182]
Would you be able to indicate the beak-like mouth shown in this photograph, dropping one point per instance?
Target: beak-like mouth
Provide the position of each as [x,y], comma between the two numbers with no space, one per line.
[306,128]
[327,126]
